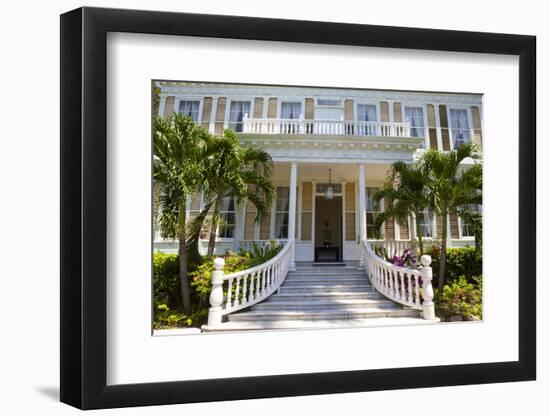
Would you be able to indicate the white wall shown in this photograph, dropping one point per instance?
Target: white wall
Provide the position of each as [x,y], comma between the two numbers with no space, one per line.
[30,221]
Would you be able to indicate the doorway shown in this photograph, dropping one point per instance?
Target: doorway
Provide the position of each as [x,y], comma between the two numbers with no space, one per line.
[328,229]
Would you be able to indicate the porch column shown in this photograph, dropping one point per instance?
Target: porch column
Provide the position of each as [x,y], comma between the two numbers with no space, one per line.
[362,203]
[292,210]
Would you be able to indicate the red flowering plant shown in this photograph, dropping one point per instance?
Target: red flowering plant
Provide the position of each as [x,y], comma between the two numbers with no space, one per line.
[408,259]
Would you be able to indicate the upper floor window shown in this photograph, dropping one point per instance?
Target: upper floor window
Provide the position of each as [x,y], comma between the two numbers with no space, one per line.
[291,110]
[237,111]
[459,127]
[226,229]
[190,108]
[415,117]
[367,113]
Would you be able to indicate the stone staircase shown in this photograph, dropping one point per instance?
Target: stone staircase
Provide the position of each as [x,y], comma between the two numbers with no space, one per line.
[321,296]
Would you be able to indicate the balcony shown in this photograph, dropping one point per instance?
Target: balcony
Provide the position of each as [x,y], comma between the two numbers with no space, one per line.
[319,127]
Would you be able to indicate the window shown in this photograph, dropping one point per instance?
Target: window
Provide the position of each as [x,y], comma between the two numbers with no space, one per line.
[415,117]
[226,228]
[282,203]
[467,230]
[373,210]
[290,111]
[459,127]
[281,212]
[191,109]
[367,113]
[426,223]
[237,111]
[329,102]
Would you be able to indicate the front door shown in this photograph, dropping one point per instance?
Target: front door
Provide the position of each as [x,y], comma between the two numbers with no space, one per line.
[328,229]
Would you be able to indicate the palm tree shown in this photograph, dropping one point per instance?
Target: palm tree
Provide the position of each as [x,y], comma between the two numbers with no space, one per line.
[237,172]
[452,188]
[406,195]
[179,147]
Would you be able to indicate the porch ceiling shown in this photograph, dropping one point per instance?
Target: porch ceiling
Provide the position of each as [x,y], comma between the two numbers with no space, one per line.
[318,172]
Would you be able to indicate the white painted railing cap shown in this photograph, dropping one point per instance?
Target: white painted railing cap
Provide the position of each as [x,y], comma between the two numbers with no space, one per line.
[426,260]
[219,263]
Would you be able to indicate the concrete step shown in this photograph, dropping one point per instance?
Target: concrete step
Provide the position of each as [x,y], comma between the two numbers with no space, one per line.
[325,281]
[326,303]
[327,272]
[232,326]
[341,295]
[324,314]
[324,288]
[327,278]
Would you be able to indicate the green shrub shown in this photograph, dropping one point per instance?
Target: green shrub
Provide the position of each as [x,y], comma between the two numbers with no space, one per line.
[167,318]
[166,284]
[201,278]
[460,298]
[260,254]
[465,262]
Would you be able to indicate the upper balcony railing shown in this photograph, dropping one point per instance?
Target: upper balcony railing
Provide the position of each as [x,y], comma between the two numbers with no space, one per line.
[324,127]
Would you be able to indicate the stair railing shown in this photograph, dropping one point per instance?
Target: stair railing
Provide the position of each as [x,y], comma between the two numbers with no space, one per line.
[410,287]
[245,288]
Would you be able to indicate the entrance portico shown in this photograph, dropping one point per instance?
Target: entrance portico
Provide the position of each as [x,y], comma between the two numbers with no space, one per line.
[328,226]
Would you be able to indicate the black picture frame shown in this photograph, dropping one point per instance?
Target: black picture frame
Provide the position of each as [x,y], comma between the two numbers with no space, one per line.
[84,207]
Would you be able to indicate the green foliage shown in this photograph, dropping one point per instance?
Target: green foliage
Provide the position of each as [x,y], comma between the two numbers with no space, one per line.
[155,98]
[166,284]
[201,278]
[260,254]
[452,188]
[405,195]
[466,261]
[167,318]
[233,170]
[460,298]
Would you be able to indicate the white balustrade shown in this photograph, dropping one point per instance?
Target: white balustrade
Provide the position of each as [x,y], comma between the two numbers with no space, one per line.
[392,247]
[410,287]
[325,127]
[242,289]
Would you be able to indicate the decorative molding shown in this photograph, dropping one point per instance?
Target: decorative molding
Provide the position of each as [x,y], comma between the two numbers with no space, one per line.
[236,91]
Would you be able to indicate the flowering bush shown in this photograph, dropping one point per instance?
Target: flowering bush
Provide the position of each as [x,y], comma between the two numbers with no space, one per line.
[408,259]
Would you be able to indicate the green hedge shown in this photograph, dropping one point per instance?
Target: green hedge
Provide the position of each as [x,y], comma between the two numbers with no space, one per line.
[466,262]
[166,287]
[166,284]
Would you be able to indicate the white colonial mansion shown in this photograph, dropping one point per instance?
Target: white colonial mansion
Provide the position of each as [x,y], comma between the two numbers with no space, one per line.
[332,149]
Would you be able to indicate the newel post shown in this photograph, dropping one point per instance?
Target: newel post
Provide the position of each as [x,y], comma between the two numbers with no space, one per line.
[216,295]
[428,306]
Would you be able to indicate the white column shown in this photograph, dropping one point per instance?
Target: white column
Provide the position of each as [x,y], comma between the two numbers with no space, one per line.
[292,210]
[362,204]
[216,294]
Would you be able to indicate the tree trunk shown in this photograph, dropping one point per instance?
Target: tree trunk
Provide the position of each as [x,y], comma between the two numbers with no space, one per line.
[443,257]
[183,256]
[419,233]
[184,281]
[214,227]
